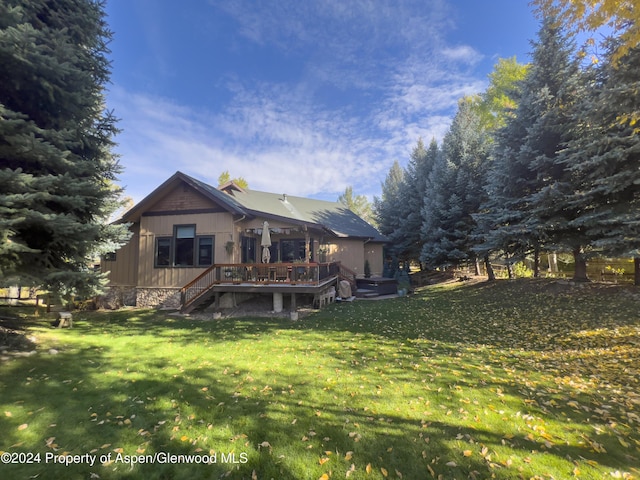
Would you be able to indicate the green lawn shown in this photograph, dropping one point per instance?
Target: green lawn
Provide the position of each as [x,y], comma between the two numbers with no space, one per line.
[524,379]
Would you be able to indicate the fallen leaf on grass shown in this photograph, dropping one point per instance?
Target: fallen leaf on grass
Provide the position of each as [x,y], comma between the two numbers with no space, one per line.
[23,426]
[264,445]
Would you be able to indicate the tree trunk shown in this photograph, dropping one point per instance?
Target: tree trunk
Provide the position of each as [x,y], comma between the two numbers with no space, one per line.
[636,270]
[510,270]
[553,262]
[490,274]
[477,265]
[580,271]
[536,261]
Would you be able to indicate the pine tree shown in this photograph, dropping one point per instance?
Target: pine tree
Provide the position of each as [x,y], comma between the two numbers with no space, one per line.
[560,83]
[523,211]
[57,171]
[387,208]
[413,191]
[455,191]
[603,157]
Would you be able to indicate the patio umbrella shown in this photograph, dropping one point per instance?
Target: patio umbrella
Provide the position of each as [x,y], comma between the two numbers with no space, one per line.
[265,243]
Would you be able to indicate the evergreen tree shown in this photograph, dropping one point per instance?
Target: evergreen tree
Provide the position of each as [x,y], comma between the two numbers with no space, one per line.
[520,215]
[603,157]
[455,191]
[413,191]
[560,84]
[57,169]
[387,208]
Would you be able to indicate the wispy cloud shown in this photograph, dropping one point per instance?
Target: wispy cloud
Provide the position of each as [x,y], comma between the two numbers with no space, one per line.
[397,78]
[276,144]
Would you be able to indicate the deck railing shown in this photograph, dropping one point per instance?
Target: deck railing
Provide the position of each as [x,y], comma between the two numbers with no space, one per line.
[259,274]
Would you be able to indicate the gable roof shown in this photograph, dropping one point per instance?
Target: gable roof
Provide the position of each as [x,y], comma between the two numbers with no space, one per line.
[331,216]
[213,194]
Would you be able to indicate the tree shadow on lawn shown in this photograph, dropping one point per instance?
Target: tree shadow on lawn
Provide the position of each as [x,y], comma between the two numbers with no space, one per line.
[390,335]
[291,430]
[520,315]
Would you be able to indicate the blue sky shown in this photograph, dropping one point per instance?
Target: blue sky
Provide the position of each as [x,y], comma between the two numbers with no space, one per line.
[297,96]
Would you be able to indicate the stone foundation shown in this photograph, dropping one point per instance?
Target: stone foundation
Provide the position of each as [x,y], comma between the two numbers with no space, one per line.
[118,297]
[158,297]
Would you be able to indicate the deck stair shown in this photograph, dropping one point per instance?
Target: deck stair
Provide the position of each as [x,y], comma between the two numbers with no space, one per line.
[366,293]
[345,273]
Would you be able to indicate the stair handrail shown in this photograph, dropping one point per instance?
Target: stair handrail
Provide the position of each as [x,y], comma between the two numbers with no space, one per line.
[199,285]
[347,274]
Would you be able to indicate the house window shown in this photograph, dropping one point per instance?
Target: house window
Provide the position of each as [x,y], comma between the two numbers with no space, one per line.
[248,250]
[205,251]
[291,250]
[184,246]
[163,251]
[184,249]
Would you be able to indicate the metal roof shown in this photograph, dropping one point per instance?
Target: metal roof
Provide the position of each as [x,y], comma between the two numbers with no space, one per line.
[331,216]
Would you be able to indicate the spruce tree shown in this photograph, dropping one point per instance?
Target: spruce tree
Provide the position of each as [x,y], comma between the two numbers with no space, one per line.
[560,83]
[387,208]
[414,186]
[603,157]
[524,208]
[455,191]
[57,170]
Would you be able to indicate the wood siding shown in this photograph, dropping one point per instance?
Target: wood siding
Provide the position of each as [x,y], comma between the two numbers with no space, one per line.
[124,270]
[183,205]
[182,198]
[218,224]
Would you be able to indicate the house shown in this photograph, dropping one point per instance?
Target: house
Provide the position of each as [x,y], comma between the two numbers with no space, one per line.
[191,240]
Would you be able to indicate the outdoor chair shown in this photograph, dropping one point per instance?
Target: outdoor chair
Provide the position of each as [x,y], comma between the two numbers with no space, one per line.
[282,273]
[262,273]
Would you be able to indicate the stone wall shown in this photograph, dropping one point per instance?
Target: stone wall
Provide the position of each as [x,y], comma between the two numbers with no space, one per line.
[118,297]
[158,297]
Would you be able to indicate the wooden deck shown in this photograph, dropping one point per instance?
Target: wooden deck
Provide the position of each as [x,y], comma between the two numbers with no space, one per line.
[285,278]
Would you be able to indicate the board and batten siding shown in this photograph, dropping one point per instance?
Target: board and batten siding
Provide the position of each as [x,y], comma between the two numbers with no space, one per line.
[123,271]
[219,225]
[182,198]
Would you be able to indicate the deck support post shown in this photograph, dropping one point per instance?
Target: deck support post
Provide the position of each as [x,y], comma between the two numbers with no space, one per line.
[294,307]
[277,302]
